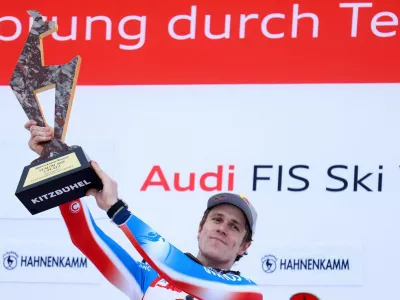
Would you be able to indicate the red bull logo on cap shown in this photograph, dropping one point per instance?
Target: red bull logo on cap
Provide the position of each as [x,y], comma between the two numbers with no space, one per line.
[244,198]
[221,198]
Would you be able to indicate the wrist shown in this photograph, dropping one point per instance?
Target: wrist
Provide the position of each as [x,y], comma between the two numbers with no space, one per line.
[118,205]
[110,204]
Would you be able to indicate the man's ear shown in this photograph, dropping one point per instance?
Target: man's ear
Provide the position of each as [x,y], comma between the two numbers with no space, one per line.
[244,248]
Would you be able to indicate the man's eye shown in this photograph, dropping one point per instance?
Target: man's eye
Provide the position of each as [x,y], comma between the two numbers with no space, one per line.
[217,219]
[235,227]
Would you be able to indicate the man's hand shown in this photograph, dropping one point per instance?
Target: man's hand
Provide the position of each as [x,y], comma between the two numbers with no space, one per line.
[105,198]
[109,195]
[39,135]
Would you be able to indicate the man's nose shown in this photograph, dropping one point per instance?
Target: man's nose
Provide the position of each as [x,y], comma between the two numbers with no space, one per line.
[222,228]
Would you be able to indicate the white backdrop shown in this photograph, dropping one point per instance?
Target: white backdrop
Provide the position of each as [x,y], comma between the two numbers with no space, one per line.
[196,128]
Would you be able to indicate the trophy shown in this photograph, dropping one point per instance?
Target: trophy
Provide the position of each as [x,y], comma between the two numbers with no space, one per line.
[62,173]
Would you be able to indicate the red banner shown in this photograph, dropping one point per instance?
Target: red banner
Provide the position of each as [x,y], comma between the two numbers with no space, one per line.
[213,42]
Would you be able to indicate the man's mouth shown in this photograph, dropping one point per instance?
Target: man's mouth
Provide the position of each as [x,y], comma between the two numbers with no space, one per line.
[218,239]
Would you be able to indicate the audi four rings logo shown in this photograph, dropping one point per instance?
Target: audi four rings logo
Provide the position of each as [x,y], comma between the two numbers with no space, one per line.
[74,207]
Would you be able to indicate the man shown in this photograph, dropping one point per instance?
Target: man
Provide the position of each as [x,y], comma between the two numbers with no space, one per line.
[225,233]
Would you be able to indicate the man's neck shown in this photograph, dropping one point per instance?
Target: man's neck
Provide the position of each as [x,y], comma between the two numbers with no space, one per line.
[209,263]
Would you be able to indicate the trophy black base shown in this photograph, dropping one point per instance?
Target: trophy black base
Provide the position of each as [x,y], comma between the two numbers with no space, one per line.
[60,179]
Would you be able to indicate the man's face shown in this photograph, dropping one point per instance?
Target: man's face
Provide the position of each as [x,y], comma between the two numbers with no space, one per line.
[220,239]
